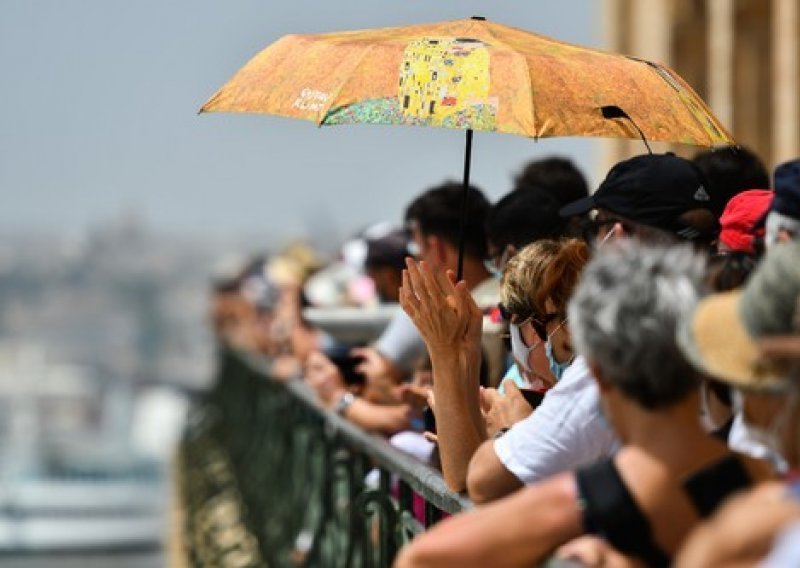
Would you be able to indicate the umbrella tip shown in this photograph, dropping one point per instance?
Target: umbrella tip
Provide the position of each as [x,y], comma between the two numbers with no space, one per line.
[479,18]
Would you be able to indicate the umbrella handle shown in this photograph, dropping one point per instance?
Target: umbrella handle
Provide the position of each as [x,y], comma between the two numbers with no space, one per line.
[462,232]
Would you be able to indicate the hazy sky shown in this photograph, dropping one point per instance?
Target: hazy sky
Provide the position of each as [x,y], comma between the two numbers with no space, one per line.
[98,114]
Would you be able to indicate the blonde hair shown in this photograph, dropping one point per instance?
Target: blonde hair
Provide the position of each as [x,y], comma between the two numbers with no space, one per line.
[523,276]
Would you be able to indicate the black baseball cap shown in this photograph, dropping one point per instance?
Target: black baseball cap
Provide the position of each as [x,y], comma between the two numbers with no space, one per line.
[390,250]
[787,189]
[651,189]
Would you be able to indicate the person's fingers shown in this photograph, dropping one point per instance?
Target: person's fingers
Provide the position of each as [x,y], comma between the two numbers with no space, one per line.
[465,299]
[408,300]
[431,401]
[444,282]
[418,284]
[484,400]
[431,437]
[431,282]
[489,398]
[512,389]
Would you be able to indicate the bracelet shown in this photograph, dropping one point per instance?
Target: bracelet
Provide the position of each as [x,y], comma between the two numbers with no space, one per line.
[500,433]
[344,403]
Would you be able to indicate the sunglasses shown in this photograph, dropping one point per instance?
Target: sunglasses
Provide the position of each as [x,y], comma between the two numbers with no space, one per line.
[538,324]
[508,316]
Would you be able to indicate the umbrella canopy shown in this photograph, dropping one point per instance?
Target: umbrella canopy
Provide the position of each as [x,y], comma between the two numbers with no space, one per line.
[473,75]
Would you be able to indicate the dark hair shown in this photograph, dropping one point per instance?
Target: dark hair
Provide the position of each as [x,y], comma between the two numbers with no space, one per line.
[729,271]
[438,212]
[557,176]
[522,217]
[729,171]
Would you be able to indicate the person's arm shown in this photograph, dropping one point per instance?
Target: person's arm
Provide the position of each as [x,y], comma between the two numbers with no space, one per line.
[487,478]
[458,434]
[564,433]
[449,322]
[742,531]
[386,419]
[517,531]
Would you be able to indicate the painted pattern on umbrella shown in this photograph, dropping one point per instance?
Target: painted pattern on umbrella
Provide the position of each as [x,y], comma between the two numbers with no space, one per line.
[468,74]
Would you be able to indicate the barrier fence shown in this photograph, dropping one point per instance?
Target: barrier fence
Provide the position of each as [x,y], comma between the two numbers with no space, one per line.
[268,478]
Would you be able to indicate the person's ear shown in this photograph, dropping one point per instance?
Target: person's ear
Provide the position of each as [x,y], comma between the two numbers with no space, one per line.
[438,247]
[784,236]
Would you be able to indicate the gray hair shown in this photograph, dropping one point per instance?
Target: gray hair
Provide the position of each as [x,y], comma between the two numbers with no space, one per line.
[624,314]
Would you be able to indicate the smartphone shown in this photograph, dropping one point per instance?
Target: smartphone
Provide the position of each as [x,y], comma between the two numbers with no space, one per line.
[534,398]
[429,419]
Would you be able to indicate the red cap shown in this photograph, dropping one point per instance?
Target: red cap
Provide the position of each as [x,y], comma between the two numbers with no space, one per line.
[740,217]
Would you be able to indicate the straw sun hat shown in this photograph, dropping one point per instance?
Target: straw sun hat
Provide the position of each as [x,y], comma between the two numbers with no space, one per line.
[721,336]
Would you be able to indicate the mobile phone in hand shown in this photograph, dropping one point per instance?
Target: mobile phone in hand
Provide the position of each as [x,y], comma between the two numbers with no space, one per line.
[534,398]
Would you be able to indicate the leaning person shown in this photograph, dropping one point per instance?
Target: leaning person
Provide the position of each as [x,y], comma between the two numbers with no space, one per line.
[566,430]
[623,320]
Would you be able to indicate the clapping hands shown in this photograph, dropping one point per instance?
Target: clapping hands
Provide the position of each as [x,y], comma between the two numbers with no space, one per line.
[443,311]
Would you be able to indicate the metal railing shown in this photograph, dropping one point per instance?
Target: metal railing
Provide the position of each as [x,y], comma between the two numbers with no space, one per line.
[268,478]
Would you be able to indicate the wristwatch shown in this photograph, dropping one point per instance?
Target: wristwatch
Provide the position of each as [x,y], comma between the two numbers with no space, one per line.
[344,403]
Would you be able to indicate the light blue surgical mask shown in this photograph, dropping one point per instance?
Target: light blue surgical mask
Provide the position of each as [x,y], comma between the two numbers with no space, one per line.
[555,367]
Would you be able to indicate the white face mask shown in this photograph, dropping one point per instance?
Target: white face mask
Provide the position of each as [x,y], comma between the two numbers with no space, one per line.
[771,436]
[706,419]
[519,350]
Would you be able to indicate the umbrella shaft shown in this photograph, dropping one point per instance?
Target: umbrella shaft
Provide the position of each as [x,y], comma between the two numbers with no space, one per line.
[462,233]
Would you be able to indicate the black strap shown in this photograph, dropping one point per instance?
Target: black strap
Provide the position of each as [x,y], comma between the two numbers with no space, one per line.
[713,484]
[610,511]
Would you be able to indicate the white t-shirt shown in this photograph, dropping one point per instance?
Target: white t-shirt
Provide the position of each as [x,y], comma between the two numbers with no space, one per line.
[786,548]
[564,433]
[400,342]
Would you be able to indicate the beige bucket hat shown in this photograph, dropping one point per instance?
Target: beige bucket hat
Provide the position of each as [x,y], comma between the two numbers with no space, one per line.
[721,336]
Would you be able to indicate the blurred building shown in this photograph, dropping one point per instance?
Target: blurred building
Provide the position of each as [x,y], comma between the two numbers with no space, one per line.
[741,56]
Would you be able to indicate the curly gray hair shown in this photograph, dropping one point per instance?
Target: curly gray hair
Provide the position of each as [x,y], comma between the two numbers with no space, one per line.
[624,314]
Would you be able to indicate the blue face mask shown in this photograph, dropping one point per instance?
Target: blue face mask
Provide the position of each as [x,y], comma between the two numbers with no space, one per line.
[555,367]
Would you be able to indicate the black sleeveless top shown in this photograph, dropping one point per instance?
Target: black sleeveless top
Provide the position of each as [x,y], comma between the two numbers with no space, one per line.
[610,511]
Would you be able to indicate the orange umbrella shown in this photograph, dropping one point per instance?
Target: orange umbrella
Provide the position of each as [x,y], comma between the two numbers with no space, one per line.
[471,75]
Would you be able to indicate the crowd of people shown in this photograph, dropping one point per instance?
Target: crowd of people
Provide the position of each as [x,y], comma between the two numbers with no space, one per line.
[614,378]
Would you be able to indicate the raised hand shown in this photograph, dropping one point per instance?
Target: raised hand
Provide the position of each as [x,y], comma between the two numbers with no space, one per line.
[443,311]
